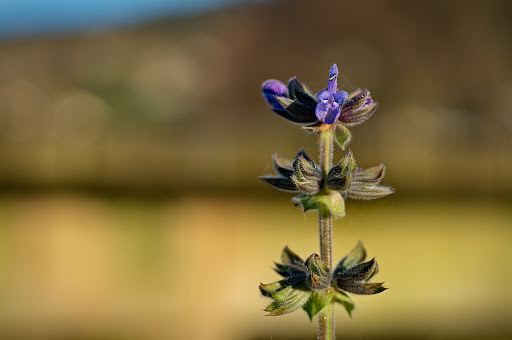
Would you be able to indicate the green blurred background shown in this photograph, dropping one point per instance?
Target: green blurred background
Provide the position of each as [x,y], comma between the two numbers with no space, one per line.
[129,203]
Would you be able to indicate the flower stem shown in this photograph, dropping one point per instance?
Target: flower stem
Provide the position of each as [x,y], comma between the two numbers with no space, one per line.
[326,149]
[326,316]
[324,215]
[325,233]
[326,323]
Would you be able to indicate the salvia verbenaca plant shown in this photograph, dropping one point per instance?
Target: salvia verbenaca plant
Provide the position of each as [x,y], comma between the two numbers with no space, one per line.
[312,284]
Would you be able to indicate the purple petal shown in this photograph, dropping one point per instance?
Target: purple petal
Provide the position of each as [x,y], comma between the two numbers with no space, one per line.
[321,110]
[332,85]
[333,114]
[272,88]
[324,95]
[327,112]
[276,87]
[333,71]
[340,97]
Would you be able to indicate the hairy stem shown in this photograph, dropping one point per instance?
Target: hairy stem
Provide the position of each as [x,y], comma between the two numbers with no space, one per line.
[326,323]
[326,316]
[325,233]
[326,149]
[324,215]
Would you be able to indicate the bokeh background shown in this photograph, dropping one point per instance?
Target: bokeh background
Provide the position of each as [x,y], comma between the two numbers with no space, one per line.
[131,139]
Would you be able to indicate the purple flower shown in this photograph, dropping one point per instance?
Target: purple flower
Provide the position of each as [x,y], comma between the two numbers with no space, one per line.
[328,110]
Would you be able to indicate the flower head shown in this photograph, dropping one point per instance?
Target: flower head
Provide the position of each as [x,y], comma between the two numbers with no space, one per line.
[296,103]
[328,109]
[311,285]
[344,180]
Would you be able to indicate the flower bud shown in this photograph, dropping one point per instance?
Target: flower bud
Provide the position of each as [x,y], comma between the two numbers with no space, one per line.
[271,89]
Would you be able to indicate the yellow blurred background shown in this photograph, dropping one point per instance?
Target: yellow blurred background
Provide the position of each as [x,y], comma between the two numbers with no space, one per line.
[129,203]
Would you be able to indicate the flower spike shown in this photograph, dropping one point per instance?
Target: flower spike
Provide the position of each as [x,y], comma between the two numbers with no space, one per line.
[312,284]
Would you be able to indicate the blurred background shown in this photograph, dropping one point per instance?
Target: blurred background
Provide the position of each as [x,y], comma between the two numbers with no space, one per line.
[132,133]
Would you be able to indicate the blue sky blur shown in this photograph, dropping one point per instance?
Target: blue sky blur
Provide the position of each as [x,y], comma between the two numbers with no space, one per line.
[40,17]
